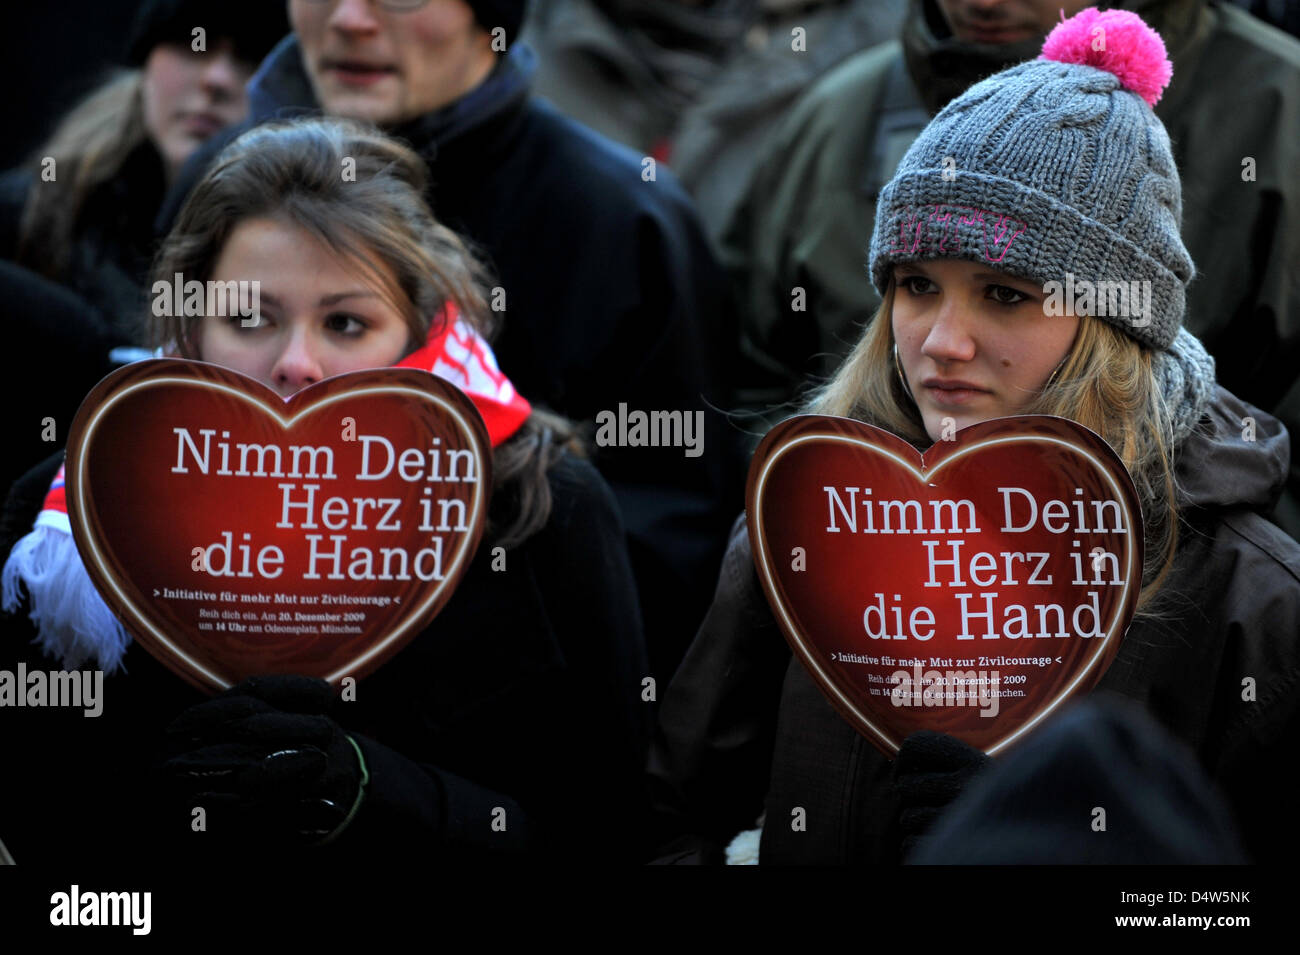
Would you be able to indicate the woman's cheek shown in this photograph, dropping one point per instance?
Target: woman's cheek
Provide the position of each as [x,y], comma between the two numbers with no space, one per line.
[222,347]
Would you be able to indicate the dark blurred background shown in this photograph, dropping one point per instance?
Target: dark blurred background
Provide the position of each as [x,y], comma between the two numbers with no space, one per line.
[57,52]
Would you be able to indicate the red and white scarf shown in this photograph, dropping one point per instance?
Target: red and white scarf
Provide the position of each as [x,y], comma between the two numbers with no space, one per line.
[74,624]
[459,354]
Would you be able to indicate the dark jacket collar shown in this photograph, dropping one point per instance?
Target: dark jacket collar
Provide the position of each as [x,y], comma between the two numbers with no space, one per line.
[942,67]
[280,89]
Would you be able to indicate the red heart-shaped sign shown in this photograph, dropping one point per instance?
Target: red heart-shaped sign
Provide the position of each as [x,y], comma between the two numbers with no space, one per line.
[968,590]
[237,533]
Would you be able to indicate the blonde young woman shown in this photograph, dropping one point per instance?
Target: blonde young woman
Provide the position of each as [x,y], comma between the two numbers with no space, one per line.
[1056,167]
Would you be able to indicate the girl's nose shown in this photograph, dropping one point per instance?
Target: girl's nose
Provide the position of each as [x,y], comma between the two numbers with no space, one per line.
[297,366]
[949,339]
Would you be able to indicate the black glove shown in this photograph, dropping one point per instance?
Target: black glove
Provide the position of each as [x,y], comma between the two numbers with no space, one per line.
[266,763]
[930,771]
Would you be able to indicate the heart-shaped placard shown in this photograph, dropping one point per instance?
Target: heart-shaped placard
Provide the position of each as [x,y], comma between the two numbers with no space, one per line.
[236,533]
[969,590]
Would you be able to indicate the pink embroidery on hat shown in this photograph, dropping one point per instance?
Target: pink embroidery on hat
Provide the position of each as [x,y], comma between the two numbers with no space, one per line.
[938,224]
[937,229]
[908,239]
[1000,228]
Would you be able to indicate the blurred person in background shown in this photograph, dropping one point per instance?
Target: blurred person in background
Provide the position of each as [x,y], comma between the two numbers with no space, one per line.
[81,211]
[1283,14]
[77,219]
[699,85]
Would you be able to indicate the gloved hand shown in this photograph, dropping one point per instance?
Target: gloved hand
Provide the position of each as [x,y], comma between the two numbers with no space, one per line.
[266,762]
[930,771]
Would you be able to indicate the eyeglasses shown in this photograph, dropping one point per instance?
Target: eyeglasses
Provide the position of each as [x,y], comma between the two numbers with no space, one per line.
[396,6]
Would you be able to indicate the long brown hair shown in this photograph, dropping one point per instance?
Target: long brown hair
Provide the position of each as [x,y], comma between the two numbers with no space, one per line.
[361,193]
[89,148]
[1105,384]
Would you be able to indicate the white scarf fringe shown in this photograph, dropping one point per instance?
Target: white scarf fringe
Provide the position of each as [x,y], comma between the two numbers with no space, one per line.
[73,623]
[743,849]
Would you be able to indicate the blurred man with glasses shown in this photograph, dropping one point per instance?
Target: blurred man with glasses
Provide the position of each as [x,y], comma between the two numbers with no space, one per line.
[392,61]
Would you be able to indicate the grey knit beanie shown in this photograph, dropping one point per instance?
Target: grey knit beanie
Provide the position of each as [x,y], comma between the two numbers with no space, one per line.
[1057,171]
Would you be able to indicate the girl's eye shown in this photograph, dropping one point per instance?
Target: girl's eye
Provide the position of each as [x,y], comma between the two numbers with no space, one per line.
[999,294]
[344,324]
[909,283]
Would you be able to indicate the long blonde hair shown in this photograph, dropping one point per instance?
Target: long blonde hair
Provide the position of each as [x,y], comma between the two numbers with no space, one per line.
[1105,384]
[88,148]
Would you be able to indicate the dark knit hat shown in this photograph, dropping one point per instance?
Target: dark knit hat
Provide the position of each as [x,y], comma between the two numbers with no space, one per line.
[255,26]
[508,14]
[1104,751]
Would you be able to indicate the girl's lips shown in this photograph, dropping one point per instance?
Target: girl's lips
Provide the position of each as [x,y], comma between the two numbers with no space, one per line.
[953,397]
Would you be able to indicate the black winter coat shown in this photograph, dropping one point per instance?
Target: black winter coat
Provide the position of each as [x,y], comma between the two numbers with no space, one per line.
[60,332]
[113,239]
[612,295]
[744,729]
[524,693]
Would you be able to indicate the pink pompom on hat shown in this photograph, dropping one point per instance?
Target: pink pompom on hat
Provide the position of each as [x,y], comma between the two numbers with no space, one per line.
[1116,41]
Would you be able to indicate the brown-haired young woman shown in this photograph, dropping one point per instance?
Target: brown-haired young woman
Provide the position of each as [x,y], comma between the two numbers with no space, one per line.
[514,723]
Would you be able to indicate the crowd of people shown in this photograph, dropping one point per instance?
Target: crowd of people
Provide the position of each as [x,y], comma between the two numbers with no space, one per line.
[682,207]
